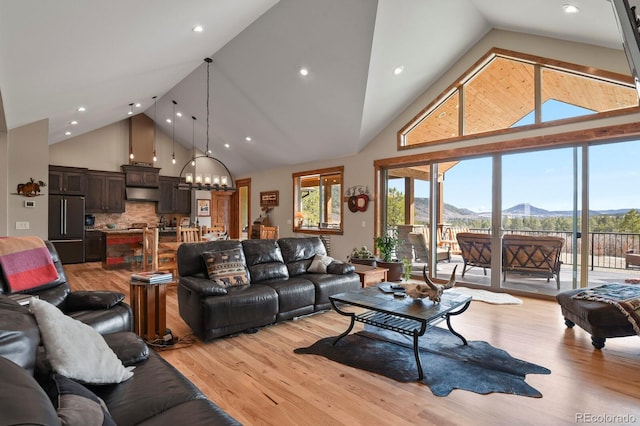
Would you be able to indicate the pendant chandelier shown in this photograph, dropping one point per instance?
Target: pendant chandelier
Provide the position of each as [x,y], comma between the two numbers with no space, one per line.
[205,172]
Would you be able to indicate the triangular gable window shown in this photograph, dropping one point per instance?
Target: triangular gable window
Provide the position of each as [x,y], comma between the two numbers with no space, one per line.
[508,91]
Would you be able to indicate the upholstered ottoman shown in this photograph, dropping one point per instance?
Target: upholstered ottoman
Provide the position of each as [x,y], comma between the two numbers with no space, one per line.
[600,319]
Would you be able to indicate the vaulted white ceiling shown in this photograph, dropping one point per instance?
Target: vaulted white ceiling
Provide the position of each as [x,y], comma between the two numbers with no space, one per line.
[104,55]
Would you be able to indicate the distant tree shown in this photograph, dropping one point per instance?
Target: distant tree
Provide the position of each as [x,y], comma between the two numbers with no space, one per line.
[548,223]
[630,222]
[395,207]
[311,207]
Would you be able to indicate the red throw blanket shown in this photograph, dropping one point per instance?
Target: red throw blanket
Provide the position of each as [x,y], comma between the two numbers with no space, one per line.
[26,263]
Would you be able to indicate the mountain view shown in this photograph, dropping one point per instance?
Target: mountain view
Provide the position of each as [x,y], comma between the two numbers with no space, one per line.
[520,210]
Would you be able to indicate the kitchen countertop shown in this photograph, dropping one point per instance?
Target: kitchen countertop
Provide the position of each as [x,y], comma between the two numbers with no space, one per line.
[132,231]
[121,231]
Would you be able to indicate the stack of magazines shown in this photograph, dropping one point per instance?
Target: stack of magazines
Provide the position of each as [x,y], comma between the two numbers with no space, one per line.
[152,277]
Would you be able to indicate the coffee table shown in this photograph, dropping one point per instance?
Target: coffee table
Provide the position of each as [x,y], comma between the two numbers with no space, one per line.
[411,317]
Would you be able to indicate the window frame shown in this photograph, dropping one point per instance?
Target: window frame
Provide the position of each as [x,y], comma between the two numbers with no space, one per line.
[297,200]
[539,62]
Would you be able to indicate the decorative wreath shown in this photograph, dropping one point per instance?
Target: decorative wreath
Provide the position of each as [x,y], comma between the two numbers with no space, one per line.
[358,200]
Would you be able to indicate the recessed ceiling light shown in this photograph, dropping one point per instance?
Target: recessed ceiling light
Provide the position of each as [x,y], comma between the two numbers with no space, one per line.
[569,8]
[198,29]
[248,139]
[226,145]
[67,133]
[138,105]
[398,70]
[169,120]
[73,122]
[81,109]
[178,114]
[304,72]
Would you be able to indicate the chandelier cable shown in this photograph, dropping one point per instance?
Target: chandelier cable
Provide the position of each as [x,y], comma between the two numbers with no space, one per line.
[173,133]
[193,141]
[155,115]
[208,61]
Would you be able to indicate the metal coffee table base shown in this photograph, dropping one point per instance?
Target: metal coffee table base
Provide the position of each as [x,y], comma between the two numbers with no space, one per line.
[414,327]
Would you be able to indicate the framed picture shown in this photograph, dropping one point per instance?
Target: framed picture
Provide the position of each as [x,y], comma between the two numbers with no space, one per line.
[204,207]
[269,199]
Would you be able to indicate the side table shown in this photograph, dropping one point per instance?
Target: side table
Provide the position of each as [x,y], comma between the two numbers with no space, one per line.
[149,305]
[370,275]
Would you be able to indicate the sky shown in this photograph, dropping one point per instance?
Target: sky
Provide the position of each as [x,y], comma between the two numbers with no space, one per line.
[544,179]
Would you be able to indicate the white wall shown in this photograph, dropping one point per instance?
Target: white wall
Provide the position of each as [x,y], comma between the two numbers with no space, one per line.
[28,157]
[107,149]
[4,179]
[4,171]
[359,168]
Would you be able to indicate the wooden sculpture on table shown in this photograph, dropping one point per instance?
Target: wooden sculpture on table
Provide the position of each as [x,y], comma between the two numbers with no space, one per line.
[431,290]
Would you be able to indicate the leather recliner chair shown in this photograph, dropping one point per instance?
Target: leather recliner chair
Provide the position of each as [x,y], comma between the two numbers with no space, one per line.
[105,311]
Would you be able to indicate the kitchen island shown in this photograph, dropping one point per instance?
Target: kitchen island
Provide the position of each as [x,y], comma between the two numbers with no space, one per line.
[123,248]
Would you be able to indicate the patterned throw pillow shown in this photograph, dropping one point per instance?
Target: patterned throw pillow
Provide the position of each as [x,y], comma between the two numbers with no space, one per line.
[319,264]
[226,268]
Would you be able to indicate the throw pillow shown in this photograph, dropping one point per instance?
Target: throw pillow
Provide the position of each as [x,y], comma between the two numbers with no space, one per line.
[226,268]
[319,264]
[77,405]
[76,350]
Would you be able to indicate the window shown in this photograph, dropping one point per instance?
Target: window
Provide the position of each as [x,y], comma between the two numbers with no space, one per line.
[318,201]
[509,91]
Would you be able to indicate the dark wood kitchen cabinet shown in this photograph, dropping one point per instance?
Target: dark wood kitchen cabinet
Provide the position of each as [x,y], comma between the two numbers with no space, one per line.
[173,200]
[93,246]
[105,192]
[67,180]
[141,176]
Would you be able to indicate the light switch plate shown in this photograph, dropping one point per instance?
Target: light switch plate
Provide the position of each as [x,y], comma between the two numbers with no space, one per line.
[22,225]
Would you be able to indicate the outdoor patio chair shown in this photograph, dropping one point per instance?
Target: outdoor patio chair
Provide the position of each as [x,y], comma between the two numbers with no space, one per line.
[421,249]
[532,254]
[475,250]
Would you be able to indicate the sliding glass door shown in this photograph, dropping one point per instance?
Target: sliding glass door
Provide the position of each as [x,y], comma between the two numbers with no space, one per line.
[562,218]
[540,220]
[614,219]
[465,218]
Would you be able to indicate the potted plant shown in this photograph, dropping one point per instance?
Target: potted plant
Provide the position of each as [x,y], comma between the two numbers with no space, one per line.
[406,263]
[387,245]
[362,256]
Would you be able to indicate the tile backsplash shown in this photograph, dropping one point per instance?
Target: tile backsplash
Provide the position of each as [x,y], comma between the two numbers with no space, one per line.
[134,212]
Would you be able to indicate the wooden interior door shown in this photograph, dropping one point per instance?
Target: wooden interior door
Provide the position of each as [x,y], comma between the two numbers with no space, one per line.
[240,211]
[220,205]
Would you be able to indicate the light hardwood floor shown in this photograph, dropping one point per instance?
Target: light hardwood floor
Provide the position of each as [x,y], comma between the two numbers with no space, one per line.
[260,381]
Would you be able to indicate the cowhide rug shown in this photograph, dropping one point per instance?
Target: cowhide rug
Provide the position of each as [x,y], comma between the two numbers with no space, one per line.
[446,362]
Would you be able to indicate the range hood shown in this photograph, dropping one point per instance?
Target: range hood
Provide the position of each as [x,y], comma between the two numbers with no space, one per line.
[141,183]
[142,194]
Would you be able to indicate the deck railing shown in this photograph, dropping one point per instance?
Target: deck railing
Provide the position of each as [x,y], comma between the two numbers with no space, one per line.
[606,249]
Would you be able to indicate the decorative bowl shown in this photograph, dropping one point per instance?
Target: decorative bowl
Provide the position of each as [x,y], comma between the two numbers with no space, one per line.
[111,225]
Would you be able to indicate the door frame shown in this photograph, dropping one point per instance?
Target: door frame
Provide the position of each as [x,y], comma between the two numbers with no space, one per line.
[235,219]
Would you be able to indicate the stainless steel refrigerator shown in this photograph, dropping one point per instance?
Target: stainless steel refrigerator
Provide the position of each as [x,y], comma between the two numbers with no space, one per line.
[66,227]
